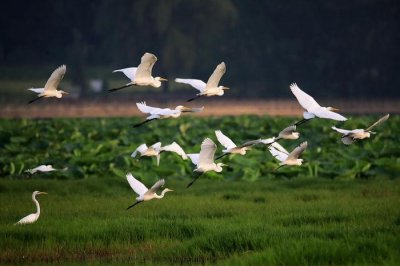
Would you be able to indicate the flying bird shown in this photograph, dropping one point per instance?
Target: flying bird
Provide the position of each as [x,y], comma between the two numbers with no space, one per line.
[31,218]
[230,146]
[41,168]
[156,150]
[50,88]
[350,136]
[286,133]
[161,113]
[210,88]
[204,160]
[144,193]
[285,157]
[141,75]
[313,109]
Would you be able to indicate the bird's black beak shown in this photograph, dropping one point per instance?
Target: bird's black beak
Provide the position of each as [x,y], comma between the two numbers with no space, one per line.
[137,202]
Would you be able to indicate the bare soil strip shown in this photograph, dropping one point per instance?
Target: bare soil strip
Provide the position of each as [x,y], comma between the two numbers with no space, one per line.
[64,108]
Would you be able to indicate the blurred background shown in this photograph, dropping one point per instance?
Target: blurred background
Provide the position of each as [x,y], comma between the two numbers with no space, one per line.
[343,49]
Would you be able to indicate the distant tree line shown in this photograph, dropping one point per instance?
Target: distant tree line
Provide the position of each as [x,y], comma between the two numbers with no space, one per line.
[330,48]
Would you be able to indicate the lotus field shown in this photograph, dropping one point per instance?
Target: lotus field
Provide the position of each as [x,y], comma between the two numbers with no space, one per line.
[340,207]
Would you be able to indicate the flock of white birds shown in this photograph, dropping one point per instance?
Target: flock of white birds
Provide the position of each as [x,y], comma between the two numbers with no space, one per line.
[204,161]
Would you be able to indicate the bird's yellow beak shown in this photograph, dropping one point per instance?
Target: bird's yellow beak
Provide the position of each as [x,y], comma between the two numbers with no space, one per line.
[64,92]
[335,109]
[43,193]
[163,79]
[225,88]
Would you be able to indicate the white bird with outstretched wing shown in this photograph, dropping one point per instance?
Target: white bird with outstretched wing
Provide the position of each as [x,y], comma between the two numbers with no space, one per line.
[211,88]
[145,194]
[312,107]
[51,87]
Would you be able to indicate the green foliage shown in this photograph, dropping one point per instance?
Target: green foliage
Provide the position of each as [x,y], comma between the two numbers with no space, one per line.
[96,148]
[276,222]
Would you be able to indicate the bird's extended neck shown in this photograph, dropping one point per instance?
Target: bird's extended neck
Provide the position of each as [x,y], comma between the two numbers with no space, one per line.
[162,194]
[37,204]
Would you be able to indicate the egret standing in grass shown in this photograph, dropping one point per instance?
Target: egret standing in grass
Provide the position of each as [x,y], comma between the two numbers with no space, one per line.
[144,193]
[230,146]
[350,136]
[161,113]
[141,75]
[33,217]
[210,88]
[285,157]
[204,160]
[50,88]
[313,109]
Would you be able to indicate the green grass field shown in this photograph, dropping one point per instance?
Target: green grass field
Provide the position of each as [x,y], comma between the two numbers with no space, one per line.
[341,207]
[293,222]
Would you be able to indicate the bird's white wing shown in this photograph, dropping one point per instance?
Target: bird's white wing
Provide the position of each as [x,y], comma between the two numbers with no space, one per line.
[37,90]
[343,131]
[347,140]
[287,131]
[156,146]
[295,154]
[136,185]
[195,83]
[130,72]
[281,156]
[146,66]
[194,157]
[55,78]
[156,186]
[174,147]
[148,109]
[224,140]
[207,152]
[279,147]
[267,141]
[216,76]
[380,121]
[142,149]
[323,112]
[305,100]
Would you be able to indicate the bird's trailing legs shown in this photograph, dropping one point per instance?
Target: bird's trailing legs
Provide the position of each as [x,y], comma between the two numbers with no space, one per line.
[137,202]
[222,155]
[280,166]
[301,122]
[34,100]
[144,122]
[195,177]
[194,98]
[120,88]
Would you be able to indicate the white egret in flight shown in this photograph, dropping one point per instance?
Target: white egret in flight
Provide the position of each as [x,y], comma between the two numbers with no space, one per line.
[210,88]
[285,157]
[161,113]
[50,88]
[204,160]
[41,168]
[31,218]
[350,136]
[153,150]
[156,150]
[141,75]
[286,133]
[313,109]
[230,146]
[144,193]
